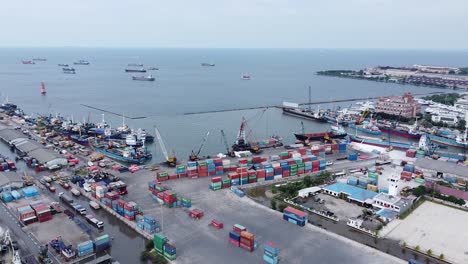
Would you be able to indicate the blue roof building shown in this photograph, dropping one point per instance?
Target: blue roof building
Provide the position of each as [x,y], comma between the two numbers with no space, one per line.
[353,193]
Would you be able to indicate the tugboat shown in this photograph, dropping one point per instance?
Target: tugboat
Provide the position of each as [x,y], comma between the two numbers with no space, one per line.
[28,62]
[153,69]
[135,70]
[245,77]
[143,78]
[39,59]
[68,70]
[81,62]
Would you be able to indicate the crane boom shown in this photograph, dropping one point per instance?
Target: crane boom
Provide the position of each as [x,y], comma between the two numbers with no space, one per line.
[225,141]
[203,142]
[161,143]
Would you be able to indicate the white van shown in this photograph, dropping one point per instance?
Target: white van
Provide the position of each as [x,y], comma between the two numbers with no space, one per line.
[94,205]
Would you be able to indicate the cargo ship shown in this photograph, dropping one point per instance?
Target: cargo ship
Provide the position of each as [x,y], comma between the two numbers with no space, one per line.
[81,62]
[28,62]
[135,70]
[207,64]
[380,143]
[133,155]
[39,59]
[336,131]
[366,127]
[273,142]
[63,65]
[82,140]
[294,110]
[400,131]
[459,141]
[68,70]
[135,65]
[143,78]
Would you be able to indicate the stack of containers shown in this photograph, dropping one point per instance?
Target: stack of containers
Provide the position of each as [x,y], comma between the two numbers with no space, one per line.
[261,175]
[243,175]
[216,183]
[150,225]
[295,216]
[162,176]
[406,175]
[118,206]
[192,171]
[411,153]
[185,202]
[270,174]
[169,251]
[16,195]
[307,166]
[352,181]
[285,168]
[234,177]
[362,182]
[372,187]
[352,156]
[211,167]
[29,192]
[202,168]
[342,147]
[85,248]
[292,169]
[102,243]
[159,241]
[315,165]
[409,168]
[284,155]
[130,210]
[100,192]
[270,253]
[170,198]
[42,211]
[226,183]
[107,202]
[300,167]
[322,164]
[27,215]
[181,171]
[219,166]
[420,154]
[247,241]
[252,176]
[234,238]
[112,195]
[140,222]
[373,175]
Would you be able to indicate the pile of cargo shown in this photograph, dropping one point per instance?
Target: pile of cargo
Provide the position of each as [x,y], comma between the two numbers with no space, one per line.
[241,238]
[181,171]
[27,192]
[369,183]
[126,209]
[27,215]
[6,165]
[160,245]
[185,202]
[163,195]
[85,248]
[147,223]
[102,243]
[270,253]
[295,216]
[352,156]
[218,183]
[196,213]
[43,212]
[61,248]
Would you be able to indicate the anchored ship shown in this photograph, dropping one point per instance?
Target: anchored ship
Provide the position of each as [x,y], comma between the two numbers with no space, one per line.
[81,62]
[135,70]
[380,143]
[143,78]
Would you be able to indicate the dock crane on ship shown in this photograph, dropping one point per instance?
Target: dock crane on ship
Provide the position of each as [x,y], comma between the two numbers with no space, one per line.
[229,152]
[194,156]
[171,160]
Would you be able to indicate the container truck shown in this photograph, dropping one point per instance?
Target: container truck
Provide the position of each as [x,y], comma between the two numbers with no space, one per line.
[94,222]
[69,201]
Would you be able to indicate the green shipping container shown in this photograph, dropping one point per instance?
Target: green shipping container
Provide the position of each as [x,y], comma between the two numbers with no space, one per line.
[181,167]
[201,163]
[419,180]
[300,165]
[253,177]
[284,154]
[159,240]
[293,166]
[372,175]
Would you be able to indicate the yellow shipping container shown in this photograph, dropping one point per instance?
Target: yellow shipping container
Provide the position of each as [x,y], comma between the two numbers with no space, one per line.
[371,187]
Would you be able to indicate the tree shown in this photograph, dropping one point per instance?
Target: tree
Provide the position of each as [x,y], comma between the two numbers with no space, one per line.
[273,204]
[307,181]
[441,256]
[149,245]
[417,248]
[281,207]
[420,190]
[429,252]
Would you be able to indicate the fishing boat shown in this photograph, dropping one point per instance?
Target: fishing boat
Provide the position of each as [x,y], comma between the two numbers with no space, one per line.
[43,90]
[78,138]
[81,62]
[143,78]
[68,70]
[135,65]
[380,142]
[63,65]
[135,70]
[39,59]
[152,68]
[245,77]
[366,127]
[28,62]
[135,152]
[206,64]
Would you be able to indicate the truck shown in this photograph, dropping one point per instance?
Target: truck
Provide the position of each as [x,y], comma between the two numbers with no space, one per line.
[94,222]
[94,205]
[75,192]
[69,201]
[78,208]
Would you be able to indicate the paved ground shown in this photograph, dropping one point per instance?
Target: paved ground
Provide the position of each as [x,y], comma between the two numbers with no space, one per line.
[196,242]
[340,207]
[436,227]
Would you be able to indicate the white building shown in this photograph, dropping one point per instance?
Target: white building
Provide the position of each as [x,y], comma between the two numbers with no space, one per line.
[462,103]
[449,118]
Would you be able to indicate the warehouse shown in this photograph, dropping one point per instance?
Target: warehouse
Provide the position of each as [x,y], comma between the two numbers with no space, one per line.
[10,135]
[26,146]
[50,159]
[10,179]
[395,203]
[352,193]
[440,169]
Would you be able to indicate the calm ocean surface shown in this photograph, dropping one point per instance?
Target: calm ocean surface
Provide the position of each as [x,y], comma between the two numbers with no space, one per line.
[182,86]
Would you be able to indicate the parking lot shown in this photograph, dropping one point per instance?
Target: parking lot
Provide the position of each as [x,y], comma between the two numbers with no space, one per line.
[339,207]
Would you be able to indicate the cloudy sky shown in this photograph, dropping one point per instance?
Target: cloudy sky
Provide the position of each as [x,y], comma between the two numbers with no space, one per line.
[388,24]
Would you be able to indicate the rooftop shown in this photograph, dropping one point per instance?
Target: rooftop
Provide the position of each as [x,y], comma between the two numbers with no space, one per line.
[387,213]
[387,198]
[11,134]
[442,166]
[27,146]
[354,193]
[44,155]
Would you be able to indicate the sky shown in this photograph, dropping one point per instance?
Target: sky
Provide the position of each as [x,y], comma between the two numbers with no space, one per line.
[354,24]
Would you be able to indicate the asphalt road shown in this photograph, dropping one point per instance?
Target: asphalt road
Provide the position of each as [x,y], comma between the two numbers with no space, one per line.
[29,245]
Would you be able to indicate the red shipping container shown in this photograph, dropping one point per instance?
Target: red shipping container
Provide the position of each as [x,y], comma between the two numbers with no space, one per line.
[233,175]
[291,162]
[219,168]
[315,164]
[173,176]
[303,151]
[305,158]
[300,171]
[238,230]
[131,218]
[182,175]
[246,241]
[315,169]
[285,173]
[216,179]
[240,170]
[334,146]
[252,181]
[252,173]
[233,241]
[261,173]
[249,248]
